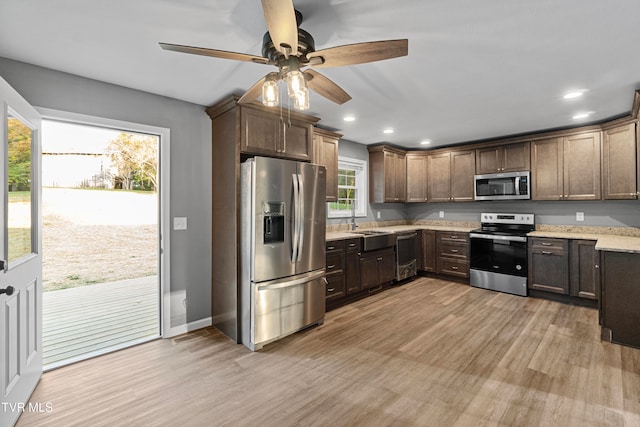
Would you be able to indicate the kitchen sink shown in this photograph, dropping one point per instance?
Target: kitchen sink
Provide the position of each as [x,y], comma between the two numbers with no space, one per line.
[375,239]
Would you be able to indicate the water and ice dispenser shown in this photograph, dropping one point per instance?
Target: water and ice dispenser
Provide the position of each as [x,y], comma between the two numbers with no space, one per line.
[273,230]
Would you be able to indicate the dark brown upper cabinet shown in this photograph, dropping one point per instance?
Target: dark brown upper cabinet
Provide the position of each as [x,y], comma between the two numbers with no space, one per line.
[450,176]
[265,133]
[387,175]
[503,158]
[416,177]
[566,167]
[325,153]
[619,170]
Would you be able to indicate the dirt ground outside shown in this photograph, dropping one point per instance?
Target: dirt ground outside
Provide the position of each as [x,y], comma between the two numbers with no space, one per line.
[97,236]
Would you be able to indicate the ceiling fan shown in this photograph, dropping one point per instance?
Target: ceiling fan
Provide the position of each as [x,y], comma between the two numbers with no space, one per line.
[291,49]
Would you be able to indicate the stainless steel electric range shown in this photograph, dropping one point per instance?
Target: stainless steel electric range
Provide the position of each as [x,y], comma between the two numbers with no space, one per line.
[499,252]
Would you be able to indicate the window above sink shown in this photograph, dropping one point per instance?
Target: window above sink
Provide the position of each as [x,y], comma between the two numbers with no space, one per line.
[352,189]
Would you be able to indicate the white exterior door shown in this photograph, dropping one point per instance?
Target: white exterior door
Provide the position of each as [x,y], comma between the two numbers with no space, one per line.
[20,254]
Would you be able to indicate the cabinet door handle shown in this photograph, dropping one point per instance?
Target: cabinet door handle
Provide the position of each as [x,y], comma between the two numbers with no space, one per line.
[454,236]
[546,244]
[597,267]
[329,267]
[330,289]
[379,258]
[454,251]
[547,253]
[454,268]
[352,245]
[330,248]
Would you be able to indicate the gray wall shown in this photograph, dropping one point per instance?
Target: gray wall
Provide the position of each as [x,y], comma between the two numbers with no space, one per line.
[190,161]
[623,213]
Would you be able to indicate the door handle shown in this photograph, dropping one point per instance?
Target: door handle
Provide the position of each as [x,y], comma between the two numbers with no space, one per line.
[3,265]
[8,290]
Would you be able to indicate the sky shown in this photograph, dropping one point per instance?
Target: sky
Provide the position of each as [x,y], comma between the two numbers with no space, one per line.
[61,137]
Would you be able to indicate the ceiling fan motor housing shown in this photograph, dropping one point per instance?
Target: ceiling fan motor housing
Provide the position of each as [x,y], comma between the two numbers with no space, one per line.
[306,45]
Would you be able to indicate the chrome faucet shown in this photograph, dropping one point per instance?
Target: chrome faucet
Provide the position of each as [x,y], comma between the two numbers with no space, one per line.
[353,216]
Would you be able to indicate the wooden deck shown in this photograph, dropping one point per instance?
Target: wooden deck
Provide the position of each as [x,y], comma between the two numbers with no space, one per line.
[82,322]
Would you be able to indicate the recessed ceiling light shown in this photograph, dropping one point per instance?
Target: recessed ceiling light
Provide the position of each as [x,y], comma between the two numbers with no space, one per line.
[349,118]
[574,94]
[425,142]
[581,116]
[388,130]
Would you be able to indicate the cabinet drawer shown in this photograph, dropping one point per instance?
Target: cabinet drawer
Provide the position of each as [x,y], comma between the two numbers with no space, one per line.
[453,267]
[540,243]
[335,262]
[352,245]
[450,249]
[335,246]
[448,236]
[335,285]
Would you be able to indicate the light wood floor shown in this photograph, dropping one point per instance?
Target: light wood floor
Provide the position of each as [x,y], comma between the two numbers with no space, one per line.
[428,353]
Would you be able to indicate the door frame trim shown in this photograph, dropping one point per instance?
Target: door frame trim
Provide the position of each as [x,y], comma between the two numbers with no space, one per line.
[164,222]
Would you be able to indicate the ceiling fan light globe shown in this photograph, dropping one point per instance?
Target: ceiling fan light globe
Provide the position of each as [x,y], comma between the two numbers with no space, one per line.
[295,83]
[270,93]
[301,100]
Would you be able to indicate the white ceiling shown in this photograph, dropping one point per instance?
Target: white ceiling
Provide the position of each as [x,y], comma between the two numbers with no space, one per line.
[475,70]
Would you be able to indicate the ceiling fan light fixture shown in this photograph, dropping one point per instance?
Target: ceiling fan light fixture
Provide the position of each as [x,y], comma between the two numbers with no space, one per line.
[270,93]
[301,99]
[295,83]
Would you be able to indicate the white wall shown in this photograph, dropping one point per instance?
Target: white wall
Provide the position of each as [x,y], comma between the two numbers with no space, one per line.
[190,162]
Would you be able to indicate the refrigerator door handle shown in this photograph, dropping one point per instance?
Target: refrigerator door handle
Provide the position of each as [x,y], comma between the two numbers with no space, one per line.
[286,282]
[301,217]
[294,221]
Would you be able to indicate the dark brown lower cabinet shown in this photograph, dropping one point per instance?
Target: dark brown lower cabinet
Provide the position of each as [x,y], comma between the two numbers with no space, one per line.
[334,271]
[376,268]
[620,304]
[453,254]
[585,277]
[549,265]
[429,251]
[352,266]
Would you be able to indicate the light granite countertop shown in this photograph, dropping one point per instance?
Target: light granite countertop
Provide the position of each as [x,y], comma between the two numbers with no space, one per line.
[340,235]
[612,239]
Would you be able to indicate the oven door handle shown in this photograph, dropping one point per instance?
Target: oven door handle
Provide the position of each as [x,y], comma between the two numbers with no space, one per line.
[496,237]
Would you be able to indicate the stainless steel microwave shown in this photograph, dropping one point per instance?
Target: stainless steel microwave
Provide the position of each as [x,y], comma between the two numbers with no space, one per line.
[503,186]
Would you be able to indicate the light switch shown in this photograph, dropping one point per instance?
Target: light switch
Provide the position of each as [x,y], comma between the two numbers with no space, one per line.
[579,216]
[180,223]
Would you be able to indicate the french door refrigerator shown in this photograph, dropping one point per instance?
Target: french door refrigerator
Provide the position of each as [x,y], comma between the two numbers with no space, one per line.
[283,213]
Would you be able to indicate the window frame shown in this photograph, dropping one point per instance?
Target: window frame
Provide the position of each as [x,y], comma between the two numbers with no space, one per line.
[362,179]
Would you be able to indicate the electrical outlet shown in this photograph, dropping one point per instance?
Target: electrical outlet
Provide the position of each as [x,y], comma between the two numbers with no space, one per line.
[378,215]
[441,215]
[579,216]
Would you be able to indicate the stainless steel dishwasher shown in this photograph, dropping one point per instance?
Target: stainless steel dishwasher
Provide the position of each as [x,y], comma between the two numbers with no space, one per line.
[406,263]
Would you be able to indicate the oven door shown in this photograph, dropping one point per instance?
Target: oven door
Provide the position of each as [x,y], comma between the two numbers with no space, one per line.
[499,254]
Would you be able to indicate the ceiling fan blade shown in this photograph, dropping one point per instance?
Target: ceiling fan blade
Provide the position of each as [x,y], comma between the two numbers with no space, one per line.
[358,53]
[253,93]
[281,23]
[325,87]
[214,53]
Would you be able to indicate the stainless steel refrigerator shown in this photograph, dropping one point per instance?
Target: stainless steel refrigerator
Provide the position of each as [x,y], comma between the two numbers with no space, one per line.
[283,212]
